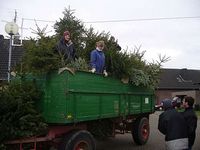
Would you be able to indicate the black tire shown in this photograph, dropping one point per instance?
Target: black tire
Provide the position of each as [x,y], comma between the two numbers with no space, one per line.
[78,140]
[141,131]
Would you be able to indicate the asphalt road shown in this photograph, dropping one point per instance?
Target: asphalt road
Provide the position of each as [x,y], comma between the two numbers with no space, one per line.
[155,142]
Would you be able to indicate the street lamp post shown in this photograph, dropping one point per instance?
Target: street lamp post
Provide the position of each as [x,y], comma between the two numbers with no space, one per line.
[11,28]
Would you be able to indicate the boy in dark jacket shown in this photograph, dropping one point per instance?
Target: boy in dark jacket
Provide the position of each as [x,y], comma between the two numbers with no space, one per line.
[173,126]
[65,48]
[191,119]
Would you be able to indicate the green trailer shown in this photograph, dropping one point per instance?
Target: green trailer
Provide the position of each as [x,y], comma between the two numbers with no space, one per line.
[80,106]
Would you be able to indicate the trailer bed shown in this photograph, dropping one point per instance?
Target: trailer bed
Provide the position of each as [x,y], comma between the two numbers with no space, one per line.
[83,96]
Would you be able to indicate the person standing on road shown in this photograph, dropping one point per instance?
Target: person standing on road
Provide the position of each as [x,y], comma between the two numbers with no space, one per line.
[191,119]
[97,59]
[172,124]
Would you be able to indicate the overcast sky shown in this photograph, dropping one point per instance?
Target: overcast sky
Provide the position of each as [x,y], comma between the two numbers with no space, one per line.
[176,38]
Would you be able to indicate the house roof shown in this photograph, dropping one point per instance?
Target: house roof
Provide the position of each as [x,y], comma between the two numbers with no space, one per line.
[179,79]
[17,52]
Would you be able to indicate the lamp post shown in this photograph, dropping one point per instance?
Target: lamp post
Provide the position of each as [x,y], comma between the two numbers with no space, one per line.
[11,28]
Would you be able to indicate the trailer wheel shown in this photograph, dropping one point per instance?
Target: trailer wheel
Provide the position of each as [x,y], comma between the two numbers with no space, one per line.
[78,140]
[141,130]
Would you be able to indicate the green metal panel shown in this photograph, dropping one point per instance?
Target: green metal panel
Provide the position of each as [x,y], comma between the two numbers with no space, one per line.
[86,106]
[110,105]
[85,96]
[124,105]
[55,98]
[146,103]
[135,104]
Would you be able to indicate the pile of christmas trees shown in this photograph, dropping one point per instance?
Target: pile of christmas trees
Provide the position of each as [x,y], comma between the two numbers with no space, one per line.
[18,116]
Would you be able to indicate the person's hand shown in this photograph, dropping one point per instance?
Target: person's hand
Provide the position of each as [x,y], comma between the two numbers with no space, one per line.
[13,74]
[105,73]
[93,70]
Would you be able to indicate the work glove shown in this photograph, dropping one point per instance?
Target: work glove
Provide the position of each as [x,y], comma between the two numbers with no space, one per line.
[93,70]
[13,74]
[105,73]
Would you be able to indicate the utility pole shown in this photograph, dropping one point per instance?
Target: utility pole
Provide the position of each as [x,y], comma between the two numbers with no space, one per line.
[15,18]
[12,29]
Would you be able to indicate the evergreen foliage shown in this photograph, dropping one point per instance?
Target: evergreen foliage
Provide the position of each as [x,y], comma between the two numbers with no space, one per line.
[18,116]
[76,28]
[79,64]
[41,57]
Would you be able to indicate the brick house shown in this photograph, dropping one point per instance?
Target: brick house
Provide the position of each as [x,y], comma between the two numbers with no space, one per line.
[178,82]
